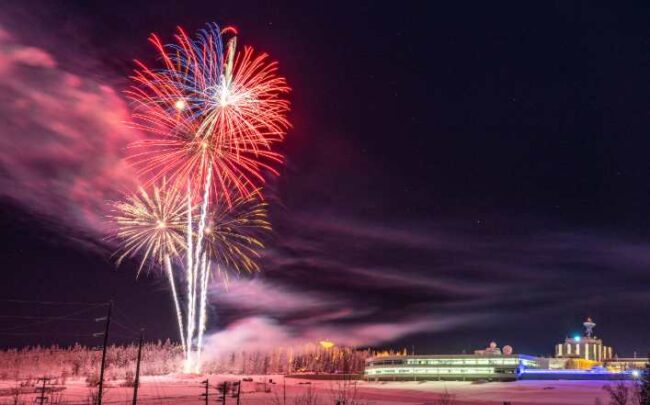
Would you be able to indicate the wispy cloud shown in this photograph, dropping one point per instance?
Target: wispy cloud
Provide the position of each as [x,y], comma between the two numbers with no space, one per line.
[368,283]
[63,139]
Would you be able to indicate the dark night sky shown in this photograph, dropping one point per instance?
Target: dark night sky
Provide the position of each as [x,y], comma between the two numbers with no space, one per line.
[455,174]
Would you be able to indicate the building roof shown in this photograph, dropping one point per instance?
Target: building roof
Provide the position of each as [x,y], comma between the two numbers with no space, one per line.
[452,356]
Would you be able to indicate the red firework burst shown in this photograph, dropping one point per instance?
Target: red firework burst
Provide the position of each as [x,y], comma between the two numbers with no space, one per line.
[209,116]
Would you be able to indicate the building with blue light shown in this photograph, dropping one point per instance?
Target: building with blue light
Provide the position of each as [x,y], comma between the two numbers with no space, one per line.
[587,347]
[459,367]
[578,358]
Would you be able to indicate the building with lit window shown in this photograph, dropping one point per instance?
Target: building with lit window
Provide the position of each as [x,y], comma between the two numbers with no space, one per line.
[461,367]
[587,347]
[621,364]
[578,358]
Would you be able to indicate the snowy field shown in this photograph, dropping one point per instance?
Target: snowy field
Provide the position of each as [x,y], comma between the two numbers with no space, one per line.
[188,390]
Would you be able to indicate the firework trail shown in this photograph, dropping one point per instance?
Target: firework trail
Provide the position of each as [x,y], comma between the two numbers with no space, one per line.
[202,312]
[212,119]
[152,226]
[233,241]
[198,270]
[177,306]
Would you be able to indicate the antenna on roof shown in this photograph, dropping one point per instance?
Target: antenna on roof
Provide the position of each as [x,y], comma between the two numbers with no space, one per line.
[589,327]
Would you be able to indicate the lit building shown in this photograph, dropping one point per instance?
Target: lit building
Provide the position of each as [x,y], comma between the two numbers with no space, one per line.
[578,358]
[489,364]
[587,347]
[625,364]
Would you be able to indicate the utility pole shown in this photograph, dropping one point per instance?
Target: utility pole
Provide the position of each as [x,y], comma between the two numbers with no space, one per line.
[225,392]
[43,398]
[207,386]
[222,391]
[100,392]
[136,382]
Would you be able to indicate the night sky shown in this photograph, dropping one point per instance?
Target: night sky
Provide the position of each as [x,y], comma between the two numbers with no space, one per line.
[455,174]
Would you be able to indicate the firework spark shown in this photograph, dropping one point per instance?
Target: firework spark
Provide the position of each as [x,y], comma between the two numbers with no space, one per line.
[233,241]
[152,226]
[213,118]
[234,233]
[209,113]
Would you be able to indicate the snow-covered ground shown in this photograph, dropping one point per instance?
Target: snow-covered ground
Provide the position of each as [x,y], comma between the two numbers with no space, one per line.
[188,390]
[517,393]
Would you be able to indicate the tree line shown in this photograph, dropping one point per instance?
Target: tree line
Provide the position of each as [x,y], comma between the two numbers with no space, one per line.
[160,358]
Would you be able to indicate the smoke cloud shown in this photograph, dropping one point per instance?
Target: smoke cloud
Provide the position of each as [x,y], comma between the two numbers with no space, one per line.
[63,139]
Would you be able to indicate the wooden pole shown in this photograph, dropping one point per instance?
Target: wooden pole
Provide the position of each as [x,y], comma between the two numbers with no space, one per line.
[136,382]
[100,392]
[207,386]
[225,392]
[42,398]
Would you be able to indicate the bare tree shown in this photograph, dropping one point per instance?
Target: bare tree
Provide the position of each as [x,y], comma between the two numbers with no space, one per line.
[644,385]
[56,399]
[15,396]
[345,392]
[446,398]
[619,393]
[93,395]
[309,397]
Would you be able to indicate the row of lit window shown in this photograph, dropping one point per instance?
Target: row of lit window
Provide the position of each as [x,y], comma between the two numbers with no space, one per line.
[384,362]
[505,361]
[433,370]
[595,351]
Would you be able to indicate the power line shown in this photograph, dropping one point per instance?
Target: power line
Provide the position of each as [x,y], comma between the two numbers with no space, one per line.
[40,334]
[51,319]
[20,301]
[40,317]
[124,326]
[127,319]
[128,324]
[127,337]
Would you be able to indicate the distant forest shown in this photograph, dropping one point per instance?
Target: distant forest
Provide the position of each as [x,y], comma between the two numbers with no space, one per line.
[165,358]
